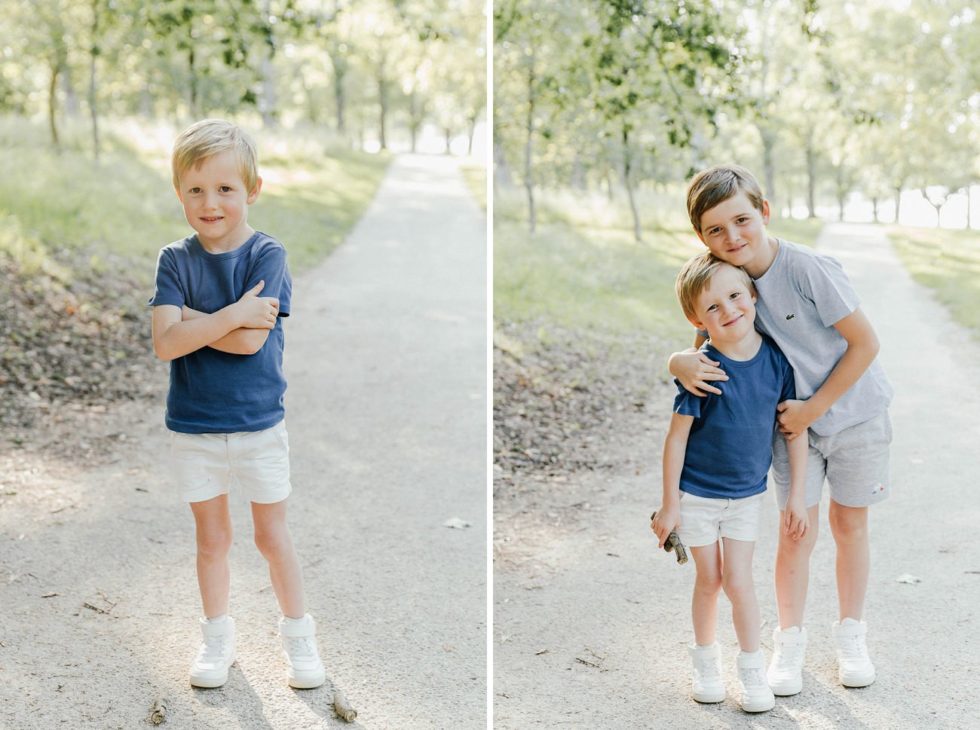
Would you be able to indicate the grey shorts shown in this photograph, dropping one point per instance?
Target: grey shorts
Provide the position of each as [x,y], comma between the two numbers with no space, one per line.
[854,463]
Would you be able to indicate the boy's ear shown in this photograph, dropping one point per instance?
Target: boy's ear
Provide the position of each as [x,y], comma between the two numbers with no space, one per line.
[765,211]
[252,196]
[695,322]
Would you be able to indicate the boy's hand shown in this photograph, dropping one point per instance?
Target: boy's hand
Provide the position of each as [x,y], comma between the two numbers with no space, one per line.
[695,370]
[255,312]
[668,519]
[796,520]
[794,418]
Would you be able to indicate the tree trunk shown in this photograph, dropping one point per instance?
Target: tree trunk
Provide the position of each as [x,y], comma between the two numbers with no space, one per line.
[811,177]
[192,69]
[528,147]
[769,166]
[449,140]
[339,94]
[874,208]
[627,181]
[53,103]
[471,133]
[413,119]
[92,81]
[269,106]
[898,204]
[501,170]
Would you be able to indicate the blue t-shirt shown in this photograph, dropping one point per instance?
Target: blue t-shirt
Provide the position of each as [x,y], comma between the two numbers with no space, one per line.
[213,391]
[729,449]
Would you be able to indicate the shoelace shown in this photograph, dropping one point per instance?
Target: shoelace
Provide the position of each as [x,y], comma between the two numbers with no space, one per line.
[214,647]
[752,677]
[851,647]
[788,653]
[300,647]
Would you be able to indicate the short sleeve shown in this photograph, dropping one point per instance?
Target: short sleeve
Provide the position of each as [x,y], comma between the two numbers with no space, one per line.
[168,289]
[789,381]
[828,287]
[686,404]
[270,266]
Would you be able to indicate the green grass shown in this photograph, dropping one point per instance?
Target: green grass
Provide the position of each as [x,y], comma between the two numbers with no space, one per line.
[475,177]
[124,204]
[583,269]
[948,262]
[598,279]
[803,231]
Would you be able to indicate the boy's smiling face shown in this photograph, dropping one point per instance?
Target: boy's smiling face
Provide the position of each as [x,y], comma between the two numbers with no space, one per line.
[216,201]
[726,307]
[735,231]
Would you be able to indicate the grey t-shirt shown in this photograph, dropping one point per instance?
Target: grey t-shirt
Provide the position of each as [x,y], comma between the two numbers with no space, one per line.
[801,297]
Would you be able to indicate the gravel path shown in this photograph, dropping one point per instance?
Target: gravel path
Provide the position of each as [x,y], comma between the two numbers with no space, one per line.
[386,359]
[591,620]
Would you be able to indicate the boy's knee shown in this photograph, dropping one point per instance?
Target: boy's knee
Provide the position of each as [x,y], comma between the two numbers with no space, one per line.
[273,542]
[737,585]
[848,524]
[214,543]
[708,584]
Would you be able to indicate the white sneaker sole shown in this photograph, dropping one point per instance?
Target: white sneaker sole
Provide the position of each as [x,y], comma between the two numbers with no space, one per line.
[211,681]
[786,688]
[856,680]
[709,698]
[758,705]
[307,680]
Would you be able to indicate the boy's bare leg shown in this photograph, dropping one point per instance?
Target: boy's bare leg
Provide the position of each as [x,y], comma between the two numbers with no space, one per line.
[740,589]
[707,585]
[849,526]
[213,529]
[276,545]
[793,571]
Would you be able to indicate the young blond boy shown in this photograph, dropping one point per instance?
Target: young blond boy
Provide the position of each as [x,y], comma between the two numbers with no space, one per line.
[716,458]
[225,403]
[808,306]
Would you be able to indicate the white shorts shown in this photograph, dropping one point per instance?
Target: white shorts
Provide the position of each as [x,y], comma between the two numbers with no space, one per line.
[207,464]
[704,520]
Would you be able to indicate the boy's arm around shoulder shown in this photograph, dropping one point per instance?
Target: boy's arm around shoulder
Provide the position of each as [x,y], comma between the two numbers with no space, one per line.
[675,446]
[795,416]
[694,370]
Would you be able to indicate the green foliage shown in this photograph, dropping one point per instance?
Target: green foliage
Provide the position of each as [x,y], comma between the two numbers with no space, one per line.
[948,262]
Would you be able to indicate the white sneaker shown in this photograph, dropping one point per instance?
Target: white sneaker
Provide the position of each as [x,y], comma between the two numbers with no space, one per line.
[706,683]
[854,667]
[756,695]
[216,654]
[299,645]
[785,673]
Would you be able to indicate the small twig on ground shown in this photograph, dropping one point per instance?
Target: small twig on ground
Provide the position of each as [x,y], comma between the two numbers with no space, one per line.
[158,713]
[342,707]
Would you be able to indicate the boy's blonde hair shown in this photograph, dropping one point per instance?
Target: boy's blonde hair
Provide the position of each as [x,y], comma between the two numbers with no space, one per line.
[695,276]
[716,185]
[210,137]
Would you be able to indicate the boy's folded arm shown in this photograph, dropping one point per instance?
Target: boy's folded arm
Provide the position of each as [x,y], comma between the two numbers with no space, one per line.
[241,341]
[174,337]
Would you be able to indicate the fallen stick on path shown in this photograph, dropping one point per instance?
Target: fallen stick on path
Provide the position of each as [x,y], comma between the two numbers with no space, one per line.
[158,713]
[342,707]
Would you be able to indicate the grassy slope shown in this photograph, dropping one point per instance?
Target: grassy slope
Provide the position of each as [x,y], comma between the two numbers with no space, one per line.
[948,262]
[582,268]
[124,205]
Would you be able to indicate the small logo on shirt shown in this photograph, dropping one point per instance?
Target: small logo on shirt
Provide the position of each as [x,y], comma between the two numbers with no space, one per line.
[790,316]
[877,489]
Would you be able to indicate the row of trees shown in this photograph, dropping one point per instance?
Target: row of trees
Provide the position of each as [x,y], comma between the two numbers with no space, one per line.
[359,67]
[821,97]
